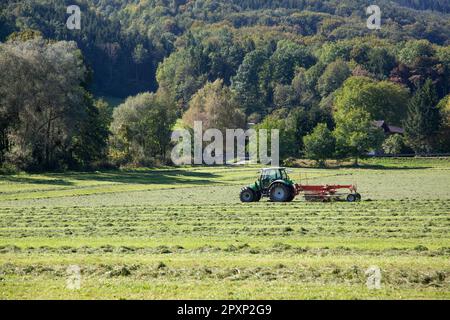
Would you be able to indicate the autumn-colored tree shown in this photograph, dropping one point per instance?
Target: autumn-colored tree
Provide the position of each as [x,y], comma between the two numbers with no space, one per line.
[215,106]
[444,132]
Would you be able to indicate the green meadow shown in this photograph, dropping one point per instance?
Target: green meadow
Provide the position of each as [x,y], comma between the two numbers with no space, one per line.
[182,233]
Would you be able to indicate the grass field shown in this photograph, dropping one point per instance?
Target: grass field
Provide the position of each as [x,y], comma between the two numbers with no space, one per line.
[182,233]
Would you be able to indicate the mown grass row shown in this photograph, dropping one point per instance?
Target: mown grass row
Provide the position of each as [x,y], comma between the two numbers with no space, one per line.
[278,271]
[393,219]
[230,275]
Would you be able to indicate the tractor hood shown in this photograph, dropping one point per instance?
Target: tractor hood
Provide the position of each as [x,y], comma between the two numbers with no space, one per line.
[254,186]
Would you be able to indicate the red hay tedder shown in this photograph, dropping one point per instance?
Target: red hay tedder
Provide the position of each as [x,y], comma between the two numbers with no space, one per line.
[328,192]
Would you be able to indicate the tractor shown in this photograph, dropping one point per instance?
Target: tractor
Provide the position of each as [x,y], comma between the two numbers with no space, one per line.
[275,184]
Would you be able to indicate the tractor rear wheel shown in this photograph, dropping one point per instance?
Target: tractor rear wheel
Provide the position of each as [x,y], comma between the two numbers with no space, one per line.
[292,195]
[351,198]
[247,195]
[279,193]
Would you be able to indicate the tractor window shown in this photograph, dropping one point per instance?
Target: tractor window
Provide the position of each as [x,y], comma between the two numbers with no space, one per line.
[271,175]
[267,177]
[275,174]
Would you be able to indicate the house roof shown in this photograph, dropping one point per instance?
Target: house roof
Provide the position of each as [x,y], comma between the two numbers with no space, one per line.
[379,123]
[394,129]
[387,128]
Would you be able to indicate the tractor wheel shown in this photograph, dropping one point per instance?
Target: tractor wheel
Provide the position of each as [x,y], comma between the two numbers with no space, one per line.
[247,195]
[351,198]
[279,193]
[292,194]
[258,196]
[358,197]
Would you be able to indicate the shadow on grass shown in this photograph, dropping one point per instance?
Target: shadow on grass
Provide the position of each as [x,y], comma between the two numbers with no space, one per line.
[175,176]
[29,180]
[149,177]
[364,166]
[382,167]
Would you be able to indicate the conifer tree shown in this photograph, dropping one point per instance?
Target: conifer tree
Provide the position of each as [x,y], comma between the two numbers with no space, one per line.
[423,119]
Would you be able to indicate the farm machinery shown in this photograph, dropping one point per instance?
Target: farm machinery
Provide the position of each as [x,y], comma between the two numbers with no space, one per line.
[275,184]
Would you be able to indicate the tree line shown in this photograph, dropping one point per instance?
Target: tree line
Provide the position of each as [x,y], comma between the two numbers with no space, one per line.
[324,102]
[309,74]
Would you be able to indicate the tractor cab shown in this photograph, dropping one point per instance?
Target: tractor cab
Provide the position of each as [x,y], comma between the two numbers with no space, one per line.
[269,175]
[273,183]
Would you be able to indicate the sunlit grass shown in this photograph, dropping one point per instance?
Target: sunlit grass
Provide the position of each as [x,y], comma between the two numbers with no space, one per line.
[182,233]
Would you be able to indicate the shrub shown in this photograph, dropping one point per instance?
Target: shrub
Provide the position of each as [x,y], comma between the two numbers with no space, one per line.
[8,168]
[320,144]
[394,144]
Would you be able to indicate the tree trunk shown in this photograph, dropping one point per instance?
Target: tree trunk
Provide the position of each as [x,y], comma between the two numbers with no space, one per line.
[47,145]
[164,153]
[3,145]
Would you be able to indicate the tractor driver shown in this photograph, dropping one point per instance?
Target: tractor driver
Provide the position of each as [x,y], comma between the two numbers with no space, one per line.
[268,176]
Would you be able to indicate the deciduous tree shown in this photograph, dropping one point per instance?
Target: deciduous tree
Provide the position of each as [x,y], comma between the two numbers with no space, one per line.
[141,130]
[355,133]
[383,100]
[320,144]
[215,106]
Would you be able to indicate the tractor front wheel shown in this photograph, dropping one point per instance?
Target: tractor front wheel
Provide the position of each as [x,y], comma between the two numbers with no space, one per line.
[351,198]
[279,193]
[247,195]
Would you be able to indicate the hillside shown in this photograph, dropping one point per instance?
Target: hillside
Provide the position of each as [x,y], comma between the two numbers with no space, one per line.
[159,25]
[311,69]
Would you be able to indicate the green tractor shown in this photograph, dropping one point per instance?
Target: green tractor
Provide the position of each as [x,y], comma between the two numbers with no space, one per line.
[273,183]
[276,184]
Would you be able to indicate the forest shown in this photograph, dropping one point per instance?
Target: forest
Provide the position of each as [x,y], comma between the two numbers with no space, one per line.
[310,68]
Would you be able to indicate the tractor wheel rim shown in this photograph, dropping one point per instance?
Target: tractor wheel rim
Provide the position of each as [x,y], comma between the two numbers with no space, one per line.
[279,193]
[247,196]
